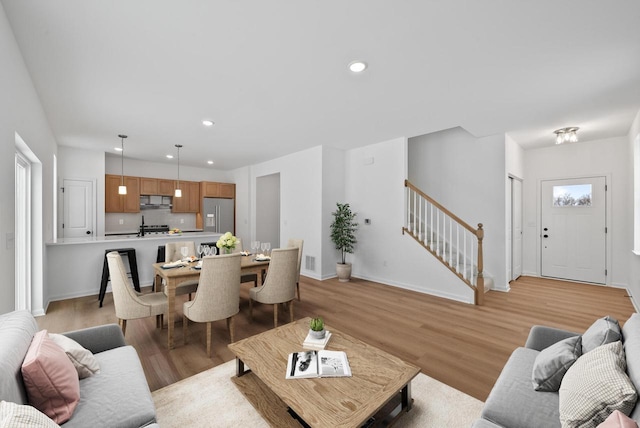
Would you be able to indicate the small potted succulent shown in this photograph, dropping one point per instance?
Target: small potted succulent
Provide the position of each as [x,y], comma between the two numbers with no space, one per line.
[316,328]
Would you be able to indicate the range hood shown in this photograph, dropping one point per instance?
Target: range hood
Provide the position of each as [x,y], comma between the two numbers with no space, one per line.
[154,202]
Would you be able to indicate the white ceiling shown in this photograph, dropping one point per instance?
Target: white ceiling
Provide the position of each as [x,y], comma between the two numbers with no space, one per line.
[273,74]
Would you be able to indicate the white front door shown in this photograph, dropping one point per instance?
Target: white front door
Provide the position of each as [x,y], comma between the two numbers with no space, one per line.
[78,208]
[574,229]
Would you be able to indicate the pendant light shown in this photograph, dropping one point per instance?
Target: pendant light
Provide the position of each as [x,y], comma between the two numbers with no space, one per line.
[122,189]
[178,192]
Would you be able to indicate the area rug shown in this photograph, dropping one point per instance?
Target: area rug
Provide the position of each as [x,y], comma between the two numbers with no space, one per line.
[210,399]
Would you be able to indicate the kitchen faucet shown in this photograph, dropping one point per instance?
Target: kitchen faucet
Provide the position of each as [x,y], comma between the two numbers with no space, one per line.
[142,227]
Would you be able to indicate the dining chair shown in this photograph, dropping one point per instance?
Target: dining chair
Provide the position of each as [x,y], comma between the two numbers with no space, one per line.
[128,303]
[279,285]
[171,254]
[249,277]
[218,296]
[298,243]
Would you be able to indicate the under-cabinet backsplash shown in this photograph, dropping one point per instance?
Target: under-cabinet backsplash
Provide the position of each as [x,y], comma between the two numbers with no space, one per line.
[131,222]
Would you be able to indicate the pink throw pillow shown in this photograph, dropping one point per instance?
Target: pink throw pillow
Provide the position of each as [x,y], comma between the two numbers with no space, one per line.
[50,379]
[617,419]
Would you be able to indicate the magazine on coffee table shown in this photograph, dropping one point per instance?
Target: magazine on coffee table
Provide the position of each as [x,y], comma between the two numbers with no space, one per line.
[308,364]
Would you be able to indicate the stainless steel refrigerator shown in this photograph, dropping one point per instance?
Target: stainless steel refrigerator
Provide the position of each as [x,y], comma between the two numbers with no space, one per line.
[219,215]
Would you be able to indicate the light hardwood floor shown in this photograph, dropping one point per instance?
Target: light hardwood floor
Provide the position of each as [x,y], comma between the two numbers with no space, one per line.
[462,345]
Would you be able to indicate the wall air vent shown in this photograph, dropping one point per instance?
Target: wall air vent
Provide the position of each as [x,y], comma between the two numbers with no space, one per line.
[310,263]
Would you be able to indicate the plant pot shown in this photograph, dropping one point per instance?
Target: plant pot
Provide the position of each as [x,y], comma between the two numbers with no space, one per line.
[344,271]
[317,334]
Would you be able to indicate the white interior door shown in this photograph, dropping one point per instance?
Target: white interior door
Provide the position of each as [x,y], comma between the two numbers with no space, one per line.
[516,228]
[574,229]
[78,208]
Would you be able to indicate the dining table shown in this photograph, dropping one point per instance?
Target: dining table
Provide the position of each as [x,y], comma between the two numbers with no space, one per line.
[175,275]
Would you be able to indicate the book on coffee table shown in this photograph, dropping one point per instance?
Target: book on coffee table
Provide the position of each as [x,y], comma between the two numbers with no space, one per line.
[309,364]
[311,343]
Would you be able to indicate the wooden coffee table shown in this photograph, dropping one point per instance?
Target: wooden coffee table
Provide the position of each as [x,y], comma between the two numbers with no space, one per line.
[378,392]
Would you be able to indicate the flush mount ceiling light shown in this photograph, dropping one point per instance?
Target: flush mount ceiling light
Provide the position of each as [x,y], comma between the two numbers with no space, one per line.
[178,192]
[207,122]
[169,156]
[118,149]
[567,135]
[122,189]
[210,162]
[357,66]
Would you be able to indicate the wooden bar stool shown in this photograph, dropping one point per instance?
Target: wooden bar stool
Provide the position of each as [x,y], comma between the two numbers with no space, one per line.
[133,266]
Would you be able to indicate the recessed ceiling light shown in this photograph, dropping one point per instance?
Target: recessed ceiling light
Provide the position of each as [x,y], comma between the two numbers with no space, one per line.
[357,66]
[207,122]
[210,162]
[169,156]
[118,149]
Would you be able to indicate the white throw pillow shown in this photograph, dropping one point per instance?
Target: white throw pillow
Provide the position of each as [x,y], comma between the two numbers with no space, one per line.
[14,415]
[595,386]
[83,360]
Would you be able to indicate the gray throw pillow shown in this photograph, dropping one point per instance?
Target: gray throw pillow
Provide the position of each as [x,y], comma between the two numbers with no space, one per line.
[553,362]
[602,331]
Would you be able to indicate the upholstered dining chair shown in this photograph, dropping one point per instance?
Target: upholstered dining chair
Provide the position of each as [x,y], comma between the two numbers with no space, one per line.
[279,285]
[249,277]
[298,243]
[128,303]
[171,254]
[218,296]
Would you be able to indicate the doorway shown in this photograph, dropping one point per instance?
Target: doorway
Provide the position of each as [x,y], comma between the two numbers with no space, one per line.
[268,209]
[573,238]
[22,233]
[78,208]
[515,223]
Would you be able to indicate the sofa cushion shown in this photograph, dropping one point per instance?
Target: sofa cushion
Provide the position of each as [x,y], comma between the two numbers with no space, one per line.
[14,415]
[617,419]
[50,379]
[16,332]
[82,359]
[514,403]
[595,386]
[553,362]
[117,396]
[631,342]
[602,331]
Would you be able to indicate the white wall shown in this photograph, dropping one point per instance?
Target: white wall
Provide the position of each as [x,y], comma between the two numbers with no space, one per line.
[21,113]
[584,159]
[333,191]
[375,190]
[467,175]
[300,201]
[633,259]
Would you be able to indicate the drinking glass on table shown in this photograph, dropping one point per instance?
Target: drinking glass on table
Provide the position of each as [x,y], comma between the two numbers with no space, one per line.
[255,246]
[268,249]
[200,250]
[184,251]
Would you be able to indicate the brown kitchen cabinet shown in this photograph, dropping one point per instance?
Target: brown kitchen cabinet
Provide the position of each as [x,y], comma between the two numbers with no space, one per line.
[211,189]
[166,187]
[116,203]
[190,200]
[148,186]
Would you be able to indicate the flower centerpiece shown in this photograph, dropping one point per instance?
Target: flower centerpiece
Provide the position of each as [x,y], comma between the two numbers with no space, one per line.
[228,242]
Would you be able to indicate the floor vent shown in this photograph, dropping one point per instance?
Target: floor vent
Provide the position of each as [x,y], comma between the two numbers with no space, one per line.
[310,263]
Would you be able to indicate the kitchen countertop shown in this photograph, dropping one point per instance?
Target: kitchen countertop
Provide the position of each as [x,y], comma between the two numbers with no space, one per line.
[133,238]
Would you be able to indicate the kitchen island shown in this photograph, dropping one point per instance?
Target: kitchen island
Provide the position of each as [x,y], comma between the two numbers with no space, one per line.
[74,266]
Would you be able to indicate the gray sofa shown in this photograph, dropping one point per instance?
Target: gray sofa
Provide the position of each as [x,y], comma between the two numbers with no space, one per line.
[513,402]
[117,396]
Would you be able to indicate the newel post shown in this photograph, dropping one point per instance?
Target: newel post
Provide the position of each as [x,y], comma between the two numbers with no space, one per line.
[479,292]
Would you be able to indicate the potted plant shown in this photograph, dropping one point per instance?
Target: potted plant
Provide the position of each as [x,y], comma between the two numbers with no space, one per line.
[316,328]
[343,235]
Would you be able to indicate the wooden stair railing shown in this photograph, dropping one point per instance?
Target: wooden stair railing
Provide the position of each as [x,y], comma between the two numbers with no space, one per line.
[447,237]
